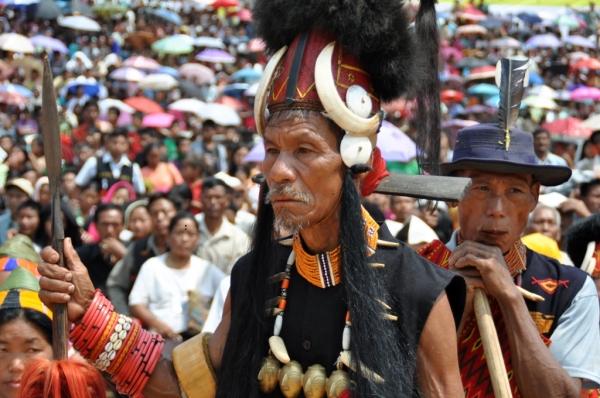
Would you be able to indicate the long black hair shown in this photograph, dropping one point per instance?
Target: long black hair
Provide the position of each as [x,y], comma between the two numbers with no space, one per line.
[381,352]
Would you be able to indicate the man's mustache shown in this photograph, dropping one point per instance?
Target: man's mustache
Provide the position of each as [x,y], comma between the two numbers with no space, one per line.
[288,192]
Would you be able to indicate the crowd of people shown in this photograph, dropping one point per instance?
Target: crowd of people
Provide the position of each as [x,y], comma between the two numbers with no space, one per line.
[162,160]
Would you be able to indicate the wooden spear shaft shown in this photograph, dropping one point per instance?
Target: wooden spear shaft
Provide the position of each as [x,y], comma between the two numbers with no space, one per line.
[53,155]
[491,345]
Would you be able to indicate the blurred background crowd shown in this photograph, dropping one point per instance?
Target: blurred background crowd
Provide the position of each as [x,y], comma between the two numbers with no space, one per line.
[160,151]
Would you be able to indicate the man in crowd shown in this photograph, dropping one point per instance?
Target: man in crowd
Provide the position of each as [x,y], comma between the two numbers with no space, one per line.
[221,242]
[541,146]
[112,166]
[17,191]
[101,257]
[408,227]
[121,278]
[555,339]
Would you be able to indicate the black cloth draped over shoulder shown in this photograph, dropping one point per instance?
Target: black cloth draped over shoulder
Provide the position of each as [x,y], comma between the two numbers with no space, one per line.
[314,317]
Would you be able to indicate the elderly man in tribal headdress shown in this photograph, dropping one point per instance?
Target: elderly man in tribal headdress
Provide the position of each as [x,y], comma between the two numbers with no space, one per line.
[550,340]
[327,303]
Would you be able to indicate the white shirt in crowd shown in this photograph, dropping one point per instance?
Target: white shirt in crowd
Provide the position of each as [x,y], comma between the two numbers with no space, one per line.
[225,246]
[89,170]
[164,290]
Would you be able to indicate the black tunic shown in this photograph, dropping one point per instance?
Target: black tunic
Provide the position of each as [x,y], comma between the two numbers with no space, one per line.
[314,317]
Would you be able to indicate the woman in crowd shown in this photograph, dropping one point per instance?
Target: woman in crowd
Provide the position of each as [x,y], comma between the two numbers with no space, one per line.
[173,291]
[29,223]
[159,176]
[137,220]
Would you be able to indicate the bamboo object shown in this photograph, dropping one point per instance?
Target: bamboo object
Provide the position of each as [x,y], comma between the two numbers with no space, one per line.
[491,345]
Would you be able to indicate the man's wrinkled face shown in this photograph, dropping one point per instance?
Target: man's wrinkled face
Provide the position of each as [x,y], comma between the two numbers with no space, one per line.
[303,169]
[495,208]
[544,221]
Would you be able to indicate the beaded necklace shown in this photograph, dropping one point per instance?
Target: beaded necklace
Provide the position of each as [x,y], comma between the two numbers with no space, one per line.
[321,270]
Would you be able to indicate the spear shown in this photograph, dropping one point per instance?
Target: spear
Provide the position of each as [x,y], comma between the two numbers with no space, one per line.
[52,152]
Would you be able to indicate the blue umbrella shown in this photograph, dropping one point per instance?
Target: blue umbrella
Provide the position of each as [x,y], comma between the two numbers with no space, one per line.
[543,41]
[247,75]
[535,79]
[166,15]
[91,89]
[529,18]
[483,89]
[580,41]
[236,90]
[16,88]
[168,71]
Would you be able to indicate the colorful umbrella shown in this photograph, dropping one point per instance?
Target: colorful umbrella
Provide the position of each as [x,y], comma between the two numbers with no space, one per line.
[540,102]
[166,15]
[176,45]
[570,127]
[471,30]
[10,264]
[49,44]
[256,154]
[190,105]
[220,114]
[483,89]
[482,73]
[198,73]
[208,41]
[256,45]
[214,55]
[141,62]
[543,91]
[247,75]
[529,18]
[592,123]
[543,41]
[158,120]
[16,88]
[16,43]
[587,64]
[579,41]
[585,93]
[451,52]
[12,98]
[448,96]
[245,15]
[225,3]
[90,87]
[79,22]
[158,82]
[506,42]
[394,144]
[144,105]
[108,103]
[127,74]
[458,124]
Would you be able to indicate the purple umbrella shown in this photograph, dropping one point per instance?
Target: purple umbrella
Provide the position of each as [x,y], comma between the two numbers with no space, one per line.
[580,41]
[394,144]
[585,93]
[49,44]
[215,55]
[256,154]
[543,41]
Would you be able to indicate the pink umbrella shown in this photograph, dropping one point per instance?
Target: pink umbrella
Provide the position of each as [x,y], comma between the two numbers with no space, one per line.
[215,55]
[585,93]
[12,98]
[128,74]
[158,120]
[571,127]
[451,52]
[198,73]
[140,62]
[256,45]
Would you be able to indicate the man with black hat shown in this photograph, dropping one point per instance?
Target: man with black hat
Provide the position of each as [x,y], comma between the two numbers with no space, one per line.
[327,302]
[550,341]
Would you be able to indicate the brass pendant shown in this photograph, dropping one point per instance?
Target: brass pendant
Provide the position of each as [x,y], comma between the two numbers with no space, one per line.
[290,379]
[315,380]
[337,383]
[268,375]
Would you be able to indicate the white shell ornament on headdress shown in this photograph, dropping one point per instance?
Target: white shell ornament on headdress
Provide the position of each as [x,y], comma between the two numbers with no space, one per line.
[355,150]
[358,101]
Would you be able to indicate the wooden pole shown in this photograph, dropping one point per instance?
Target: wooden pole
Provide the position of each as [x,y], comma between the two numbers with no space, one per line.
[491,345]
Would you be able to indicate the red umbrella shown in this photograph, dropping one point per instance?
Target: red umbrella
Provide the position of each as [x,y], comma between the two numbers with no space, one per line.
[245,15]
[144,105]
[449,96]
[587,63]
[225,3]
[571,127]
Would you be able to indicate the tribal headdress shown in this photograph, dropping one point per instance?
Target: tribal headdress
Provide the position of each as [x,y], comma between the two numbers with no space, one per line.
[343,58]
[583,245]
[21,291]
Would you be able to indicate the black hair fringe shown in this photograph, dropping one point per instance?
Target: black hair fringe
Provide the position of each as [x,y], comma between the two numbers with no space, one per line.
[376,31]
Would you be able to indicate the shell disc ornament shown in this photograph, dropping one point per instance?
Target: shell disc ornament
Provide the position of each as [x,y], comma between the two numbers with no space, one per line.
[355,150]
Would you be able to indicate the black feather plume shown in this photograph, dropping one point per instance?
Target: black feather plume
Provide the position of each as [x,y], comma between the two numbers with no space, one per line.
[376,31]
[579,235]
[512,87]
